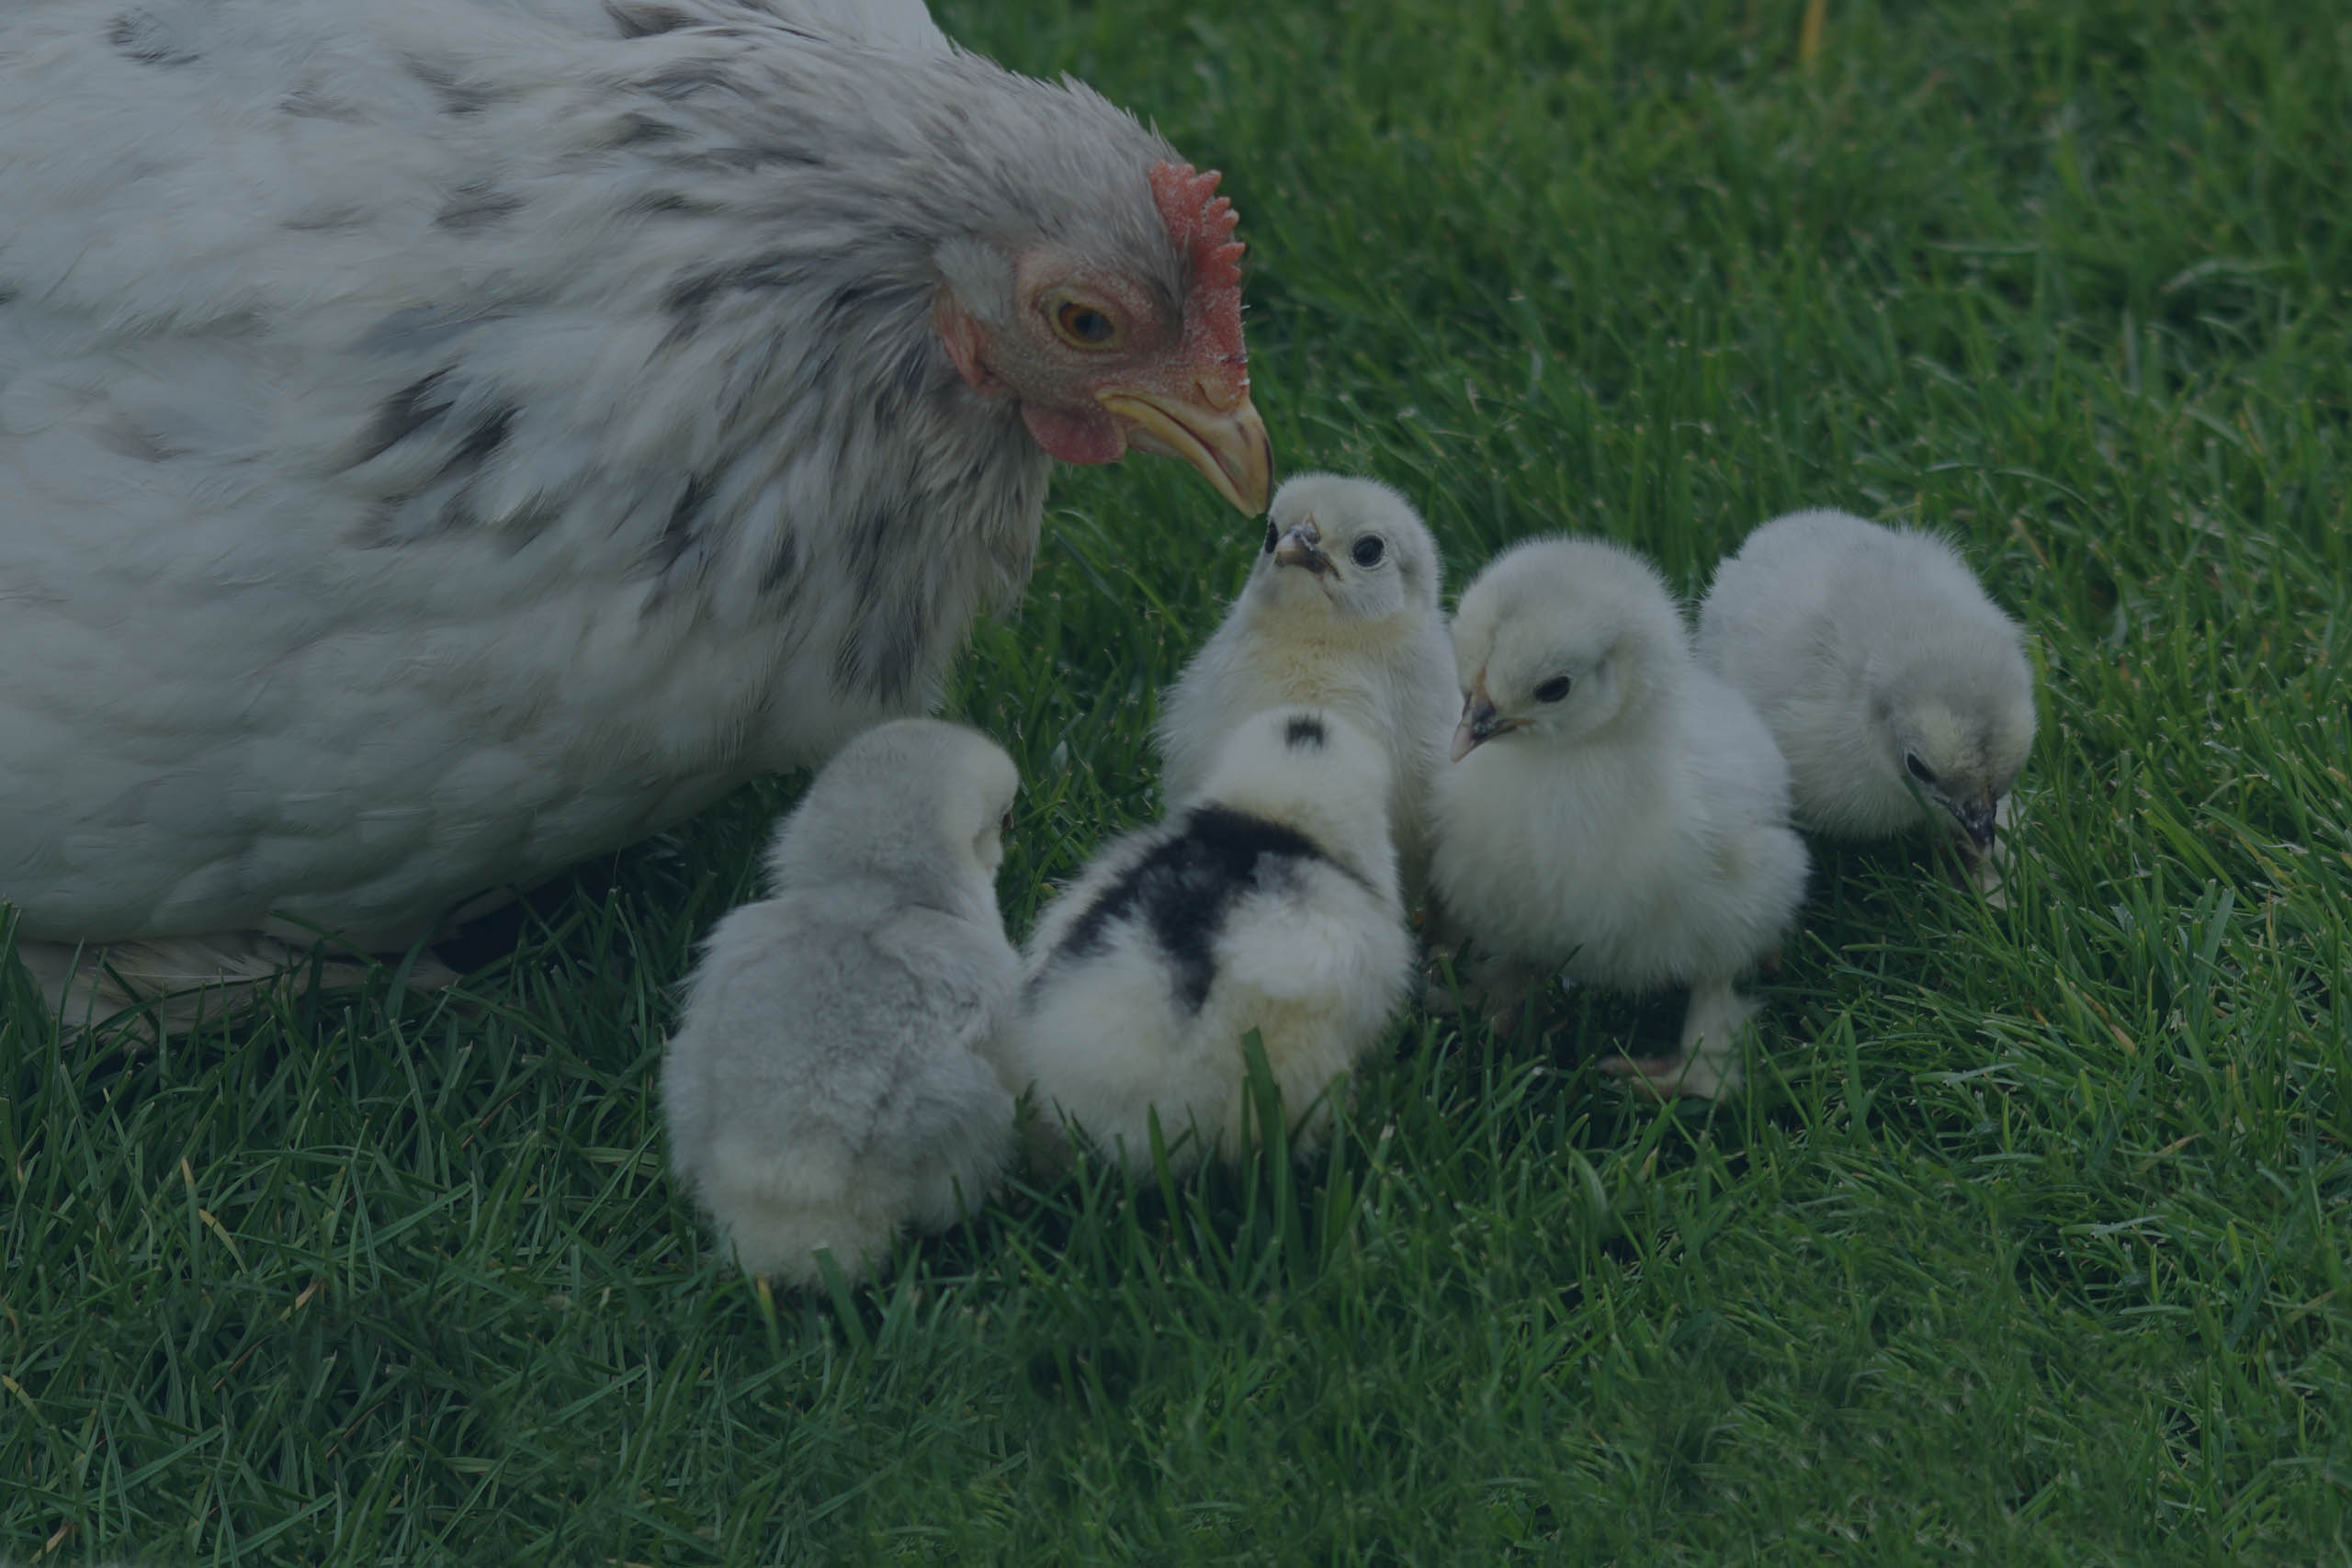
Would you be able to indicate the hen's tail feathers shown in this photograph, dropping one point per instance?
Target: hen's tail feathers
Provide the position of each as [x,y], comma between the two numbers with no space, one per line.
[148,989]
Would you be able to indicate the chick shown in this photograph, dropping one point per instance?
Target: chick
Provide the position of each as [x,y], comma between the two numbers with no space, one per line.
[1340,612]
[1897,690]
[1270,903]
[824,1088]
[1612,806]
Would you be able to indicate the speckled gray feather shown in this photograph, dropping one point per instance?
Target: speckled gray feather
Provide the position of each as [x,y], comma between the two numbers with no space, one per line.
[825,1087]
[442,441]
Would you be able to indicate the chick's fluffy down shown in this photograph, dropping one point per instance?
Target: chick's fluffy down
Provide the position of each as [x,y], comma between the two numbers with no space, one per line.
[1270,905]
[824,1088]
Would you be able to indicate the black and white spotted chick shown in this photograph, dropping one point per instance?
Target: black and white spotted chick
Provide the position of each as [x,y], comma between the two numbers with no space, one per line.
[824,1088]
[1270,903]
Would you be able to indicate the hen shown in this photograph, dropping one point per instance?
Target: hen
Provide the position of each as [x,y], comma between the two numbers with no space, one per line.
[444,440]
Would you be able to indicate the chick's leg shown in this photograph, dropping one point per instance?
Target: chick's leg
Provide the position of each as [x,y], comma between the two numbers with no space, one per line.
[1495,988]
[1707,1062]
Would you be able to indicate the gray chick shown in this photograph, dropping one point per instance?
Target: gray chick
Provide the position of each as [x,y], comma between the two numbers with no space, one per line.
[1897,690]
[825,1088]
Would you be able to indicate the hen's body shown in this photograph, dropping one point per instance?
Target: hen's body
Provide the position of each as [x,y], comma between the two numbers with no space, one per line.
[442,441]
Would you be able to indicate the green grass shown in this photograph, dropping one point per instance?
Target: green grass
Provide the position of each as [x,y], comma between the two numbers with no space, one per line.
[2033,1243]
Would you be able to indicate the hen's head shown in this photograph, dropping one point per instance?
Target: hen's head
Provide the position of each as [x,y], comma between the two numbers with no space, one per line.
[1118,328]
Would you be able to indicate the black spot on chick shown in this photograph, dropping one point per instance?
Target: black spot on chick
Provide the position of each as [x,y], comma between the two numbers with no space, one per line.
[1185,888]
[1304,731]
[140,38]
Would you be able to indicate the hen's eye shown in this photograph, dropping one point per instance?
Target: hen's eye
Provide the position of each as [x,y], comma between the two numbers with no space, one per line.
[1369,549]
[1918,768]
[1083,326]
[1552,690]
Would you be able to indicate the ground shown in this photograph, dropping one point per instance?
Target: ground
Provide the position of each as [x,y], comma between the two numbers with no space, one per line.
[2032,1243]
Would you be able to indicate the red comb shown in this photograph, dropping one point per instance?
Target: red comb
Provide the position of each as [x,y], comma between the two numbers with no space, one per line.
[1201,223]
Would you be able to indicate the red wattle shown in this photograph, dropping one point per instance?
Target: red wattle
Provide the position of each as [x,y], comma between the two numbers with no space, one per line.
[1076,435]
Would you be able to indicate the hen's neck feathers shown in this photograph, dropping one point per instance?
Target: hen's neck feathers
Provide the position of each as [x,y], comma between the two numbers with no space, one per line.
[730,318]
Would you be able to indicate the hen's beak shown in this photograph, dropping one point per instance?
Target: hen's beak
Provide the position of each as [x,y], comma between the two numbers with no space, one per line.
[1480,723]
[1978,817]
[1217,430]
[1298,547]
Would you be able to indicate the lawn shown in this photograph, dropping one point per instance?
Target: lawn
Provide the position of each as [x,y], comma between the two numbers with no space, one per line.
[2032,1243]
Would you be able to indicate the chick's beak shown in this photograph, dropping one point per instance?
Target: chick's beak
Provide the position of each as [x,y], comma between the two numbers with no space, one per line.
[1216,429]
[1480,723]
[1300,548]
[1977,818]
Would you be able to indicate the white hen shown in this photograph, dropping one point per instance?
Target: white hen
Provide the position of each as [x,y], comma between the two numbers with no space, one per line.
[1340,612]
[824,1088]
[1897,690]
[442,441]
[1270,903]
[1614,807]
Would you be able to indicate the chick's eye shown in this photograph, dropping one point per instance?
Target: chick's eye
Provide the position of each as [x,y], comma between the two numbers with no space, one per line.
[1918,768]
[1004,823]
[1552,690]
[1369,549]
[1084,326]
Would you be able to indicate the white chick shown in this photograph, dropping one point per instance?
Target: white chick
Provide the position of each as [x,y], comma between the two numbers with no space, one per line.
[1897,690]
[1341,613]
[1268,903]
[1613,806]
[824,1088]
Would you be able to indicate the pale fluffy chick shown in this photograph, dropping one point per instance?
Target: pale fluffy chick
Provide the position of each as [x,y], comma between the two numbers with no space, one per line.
[1613,806]
[825,1087]
[1340,612]
[1897,689]
[1270,903]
